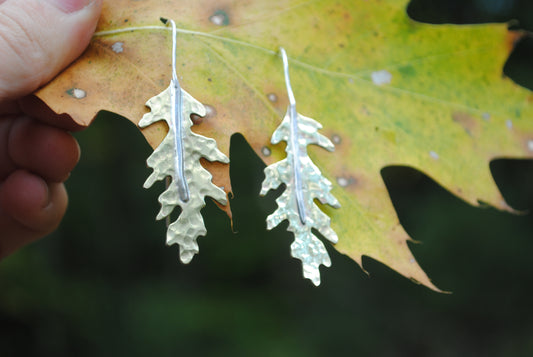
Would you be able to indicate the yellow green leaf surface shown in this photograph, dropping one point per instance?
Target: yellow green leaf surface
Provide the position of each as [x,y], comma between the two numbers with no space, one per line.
[387,90]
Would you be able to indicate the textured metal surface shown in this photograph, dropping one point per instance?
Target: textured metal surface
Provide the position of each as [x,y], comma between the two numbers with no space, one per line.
[190,224]
[306,246]
[304,183]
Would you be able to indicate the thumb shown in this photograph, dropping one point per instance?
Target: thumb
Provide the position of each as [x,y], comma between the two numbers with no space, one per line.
[38,38]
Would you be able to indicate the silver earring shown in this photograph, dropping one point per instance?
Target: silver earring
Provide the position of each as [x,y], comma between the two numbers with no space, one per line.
[178,157]
[304,183]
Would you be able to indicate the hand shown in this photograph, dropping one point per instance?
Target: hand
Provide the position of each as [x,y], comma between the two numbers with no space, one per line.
[38,38]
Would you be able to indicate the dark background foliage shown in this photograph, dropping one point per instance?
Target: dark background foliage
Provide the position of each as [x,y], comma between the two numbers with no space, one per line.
[105,284]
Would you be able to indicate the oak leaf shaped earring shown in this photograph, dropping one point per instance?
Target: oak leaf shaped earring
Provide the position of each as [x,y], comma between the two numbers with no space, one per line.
[178,157]
[304,183]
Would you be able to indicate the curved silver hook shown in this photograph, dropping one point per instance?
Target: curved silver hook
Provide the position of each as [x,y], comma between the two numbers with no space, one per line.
[174,41]
[292,101]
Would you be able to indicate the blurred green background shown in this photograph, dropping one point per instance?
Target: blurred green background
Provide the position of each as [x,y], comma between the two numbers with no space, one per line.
[106,285]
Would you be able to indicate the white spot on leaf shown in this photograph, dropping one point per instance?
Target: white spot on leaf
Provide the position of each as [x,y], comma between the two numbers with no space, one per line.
[434,155]
[118,47]
[272,97]
[530,145]
[343,181]
[381,77]
[219,18]
[77,93]
[266,151]
[509,124]
[336,139]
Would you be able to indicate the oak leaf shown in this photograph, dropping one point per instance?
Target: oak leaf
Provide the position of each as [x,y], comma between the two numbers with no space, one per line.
[388,90]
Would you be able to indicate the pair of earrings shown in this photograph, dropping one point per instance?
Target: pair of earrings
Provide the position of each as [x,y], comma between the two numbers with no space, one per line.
[178,156]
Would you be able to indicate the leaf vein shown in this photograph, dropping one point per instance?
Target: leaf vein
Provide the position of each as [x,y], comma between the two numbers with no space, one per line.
[354,76]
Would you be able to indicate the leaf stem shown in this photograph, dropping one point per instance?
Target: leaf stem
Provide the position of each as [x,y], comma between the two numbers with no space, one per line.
[183,31]
[360,76]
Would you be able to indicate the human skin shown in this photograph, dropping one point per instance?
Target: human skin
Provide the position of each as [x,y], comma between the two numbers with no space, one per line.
[38,38]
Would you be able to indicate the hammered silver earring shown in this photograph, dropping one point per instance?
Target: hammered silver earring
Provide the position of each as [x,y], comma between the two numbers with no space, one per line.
[304,183]
[178,158]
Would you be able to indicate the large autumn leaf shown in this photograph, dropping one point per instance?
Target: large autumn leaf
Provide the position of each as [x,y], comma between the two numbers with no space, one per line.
[388,91]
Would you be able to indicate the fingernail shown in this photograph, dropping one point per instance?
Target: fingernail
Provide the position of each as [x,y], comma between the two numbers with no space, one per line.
[69,6]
